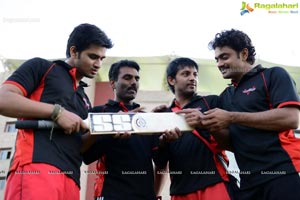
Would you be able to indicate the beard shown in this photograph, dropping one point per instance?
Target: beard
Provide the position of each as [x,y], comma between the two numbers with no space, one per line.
[189,93]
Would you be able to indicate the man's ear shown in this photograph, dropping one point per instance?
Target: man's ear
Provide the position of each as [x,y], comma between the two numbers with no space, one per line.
[73,51]
[244,54]
[171,80]
[112,85]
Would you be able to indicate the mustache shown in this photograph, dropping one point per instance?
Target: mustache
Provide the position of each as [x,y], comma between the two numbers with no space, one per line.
[132,88]
[194,83]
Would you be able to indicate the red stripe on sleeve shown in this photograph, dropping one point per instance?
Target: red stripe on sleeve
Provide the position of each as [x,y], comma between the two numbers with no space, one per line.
[291,145]
[18,85]
[289,103]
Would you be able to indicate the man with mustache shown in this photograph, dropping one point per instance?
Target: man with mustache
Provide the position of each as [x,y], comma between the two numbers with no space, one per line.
[195,169]
[261,109]
[124,164]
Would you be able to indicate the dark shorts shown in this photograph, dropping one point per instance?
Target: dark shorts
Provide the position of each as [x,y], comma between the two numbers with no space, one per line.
[215,192]
[282,188]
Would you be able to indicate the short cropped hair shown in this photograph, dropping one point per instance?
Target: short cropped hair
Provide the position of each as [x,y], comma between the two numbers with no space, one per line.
[115,68]
[178,64]
[85,35]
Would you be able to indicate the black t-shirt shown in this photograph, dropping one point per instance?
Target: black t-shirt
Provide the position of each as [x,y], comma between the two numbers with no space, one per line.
[191,163]
[54,83]
[263,155]
[127,162]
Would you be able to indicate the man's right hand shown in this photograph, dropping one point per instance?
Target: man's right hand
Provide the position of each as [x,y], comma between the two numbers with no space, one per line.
[193,117]
[70,122]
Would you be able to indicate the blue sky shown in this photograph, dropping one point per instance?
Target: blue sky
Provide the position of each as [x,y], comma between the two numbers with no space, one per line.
[31,28]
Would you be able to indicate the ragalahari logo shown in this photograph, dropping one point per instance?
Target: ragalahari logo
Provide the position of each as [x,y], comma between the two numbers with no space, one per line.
[246,8]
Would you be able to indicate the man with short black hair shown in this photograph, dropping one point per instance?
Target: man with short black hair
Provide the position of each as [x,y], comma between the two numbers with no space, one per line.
[195,169]
[46,163]
[125,168]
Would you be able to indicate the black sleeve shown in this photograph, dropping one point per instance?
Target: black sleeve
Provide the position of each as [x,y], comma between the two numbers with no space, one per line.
[97,149]
[282,88]
[161,156]
[97,109]
[154,146]
[30,73]
[225,99]
[213,101]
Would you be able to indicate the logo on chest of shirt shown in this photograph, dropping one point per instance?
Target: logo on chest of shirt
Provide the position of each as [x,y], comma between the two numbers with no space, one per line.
[248,91]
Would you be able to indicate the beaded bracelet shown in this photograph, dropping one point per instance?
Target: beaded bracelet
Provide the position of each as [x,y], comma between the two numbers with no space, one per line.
[56,113]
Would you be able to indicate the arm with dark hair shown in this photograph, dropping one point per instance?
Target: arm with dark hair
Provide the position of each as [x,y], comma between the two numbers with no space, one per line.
[280,94]
[278,119]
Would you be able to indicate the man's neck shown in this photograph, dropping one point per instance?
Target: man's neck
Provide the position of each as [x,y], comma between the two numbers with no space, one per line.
[183,100]
[78,77]
[126,102]
[247,68]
